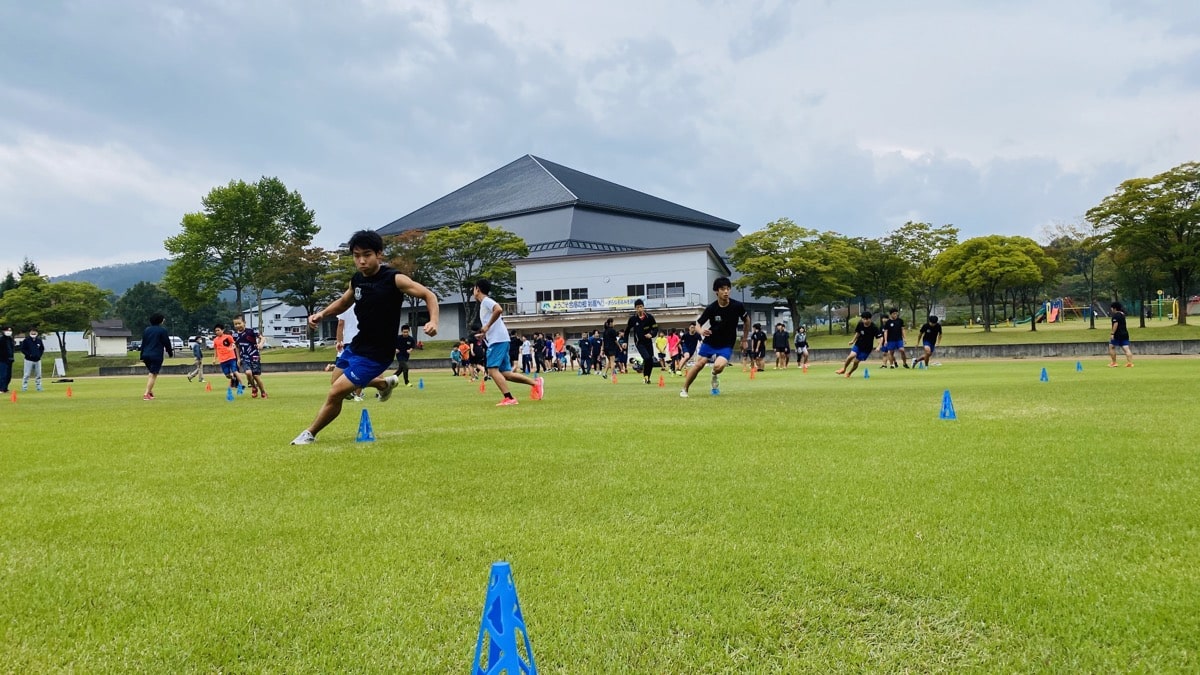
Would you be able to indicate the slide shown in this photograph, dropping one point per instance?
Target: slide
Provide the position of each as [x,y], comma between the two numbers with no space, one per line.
[1039,316]
[1053,314]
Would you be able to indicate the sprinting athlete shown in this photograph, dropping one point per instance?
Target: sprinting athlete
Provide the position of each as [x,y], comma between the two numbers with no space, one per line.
[930,335]
[718,323]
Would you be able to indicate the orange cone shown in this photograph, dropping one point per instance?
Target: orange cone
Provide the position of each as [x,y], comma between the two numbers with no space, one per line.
[482,387]
[68,392]
[752,371]
[208,386]
[614,378]
[661,381]
[13,398]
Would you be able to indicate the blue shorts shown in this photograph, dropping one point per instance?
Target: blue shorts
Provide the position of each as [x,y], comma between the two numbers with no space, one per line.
[893,345]
[710,353]
[858,354]
[252,365]
[1119,343]
[930,347]
[497,357]
[228,368]
[359,369]
[155,365]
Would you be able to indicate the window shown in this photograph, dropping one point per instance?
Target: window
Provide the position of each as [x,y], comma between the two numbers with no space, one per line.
[675,289]
[278,317]
[562,294]
[655,290]
[635,289]
[543,296]
[579,294]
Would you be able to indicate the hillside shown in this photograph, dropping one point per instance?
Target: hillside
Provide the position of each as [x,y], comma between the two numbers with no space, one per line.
[119,278]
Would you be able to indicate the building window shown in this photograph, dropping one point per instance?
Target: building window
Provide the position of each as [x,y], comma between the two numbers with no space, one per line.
[635,289]
[675,289]
[579,294]
[655,290]
[543,296]
[277,317]
[562,294]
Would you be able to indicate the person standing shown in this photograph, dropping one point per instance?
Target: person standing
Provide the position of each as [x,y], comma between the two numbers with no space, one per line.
[930,336]
[802,348]
[377,292]
[198,355]
[405,343]
[779,342]
[32,348]
[155,341]
[8,353]
[499,365]
[1119,336]
[718,324]
[640,331]
[862,344]
[249,342]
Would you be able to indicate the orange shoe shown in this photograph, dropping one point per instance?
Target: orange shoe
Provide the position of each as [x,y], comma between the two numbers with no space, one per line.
[1112,365]
[1128,365]
[506,401]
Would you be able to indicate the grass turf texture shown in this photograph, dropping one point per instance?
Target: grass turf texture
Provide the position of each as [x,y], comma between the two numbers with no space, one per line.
[793,523]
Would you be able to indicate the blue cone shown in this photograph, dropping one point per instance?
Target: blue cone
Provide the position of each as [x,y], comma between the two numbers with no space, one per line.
[866,373]
[947,407]
[241,388]
[503,645]
[229,393]
[421,383]
[365,433]
[1079,366]
[1045,377]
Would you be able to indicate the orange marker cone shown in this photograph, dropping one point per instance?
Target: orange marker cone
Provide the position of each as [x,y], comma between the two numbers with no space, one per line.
[614,378]
[482,387]
[208,386]
[13,398]
[661,382]
[68,392]
[752,371]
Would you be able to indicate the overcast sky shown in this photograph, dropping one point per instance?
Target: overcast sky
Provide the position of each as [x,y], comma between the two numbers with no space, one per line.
[116,117]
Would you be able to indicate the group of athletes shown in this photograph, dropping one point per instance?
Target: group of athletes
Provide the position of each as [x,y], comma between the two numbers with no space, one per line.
[236,353]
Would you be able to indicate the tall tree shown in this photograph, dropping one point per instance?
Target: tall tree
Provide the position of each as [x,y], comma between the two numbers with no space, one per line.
[1138,276]
[460,255]
[1027,283]
[882,272]
[299,275]
[1158,217]
[409,253]
[53,307]
[227,245]
[793,264]
[982,265]
[1078,247]
[919,244]
[10,282]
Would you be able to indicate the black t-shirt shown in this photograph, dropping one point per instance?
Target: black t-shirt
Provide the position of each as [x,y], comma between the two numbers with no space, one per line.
[688,342]
[377,304]
[610,341]
[758,341]
[780,340]
[893,330]
[865,336]
[641,328]
[514,348]
[404,343]
[930,333]
[1120,331]
[723,322]
[478,352]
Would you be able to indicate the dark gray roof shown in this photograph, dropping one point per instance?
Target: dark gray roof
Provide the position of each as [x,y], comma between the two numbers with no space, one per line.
[532,184]
[110,328]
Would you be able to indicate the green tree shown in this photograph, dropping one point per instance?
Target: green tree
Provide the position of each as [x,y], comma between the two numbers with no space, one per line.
[409,253]
[793,264]
[228,245]
[53,307]
[882,272]
[983,265]
[299,276]
[919,244]
[10,282]
[1159,218]
[1027,283]
[1137,276]
[460,255]
[142,299]
[1078,248]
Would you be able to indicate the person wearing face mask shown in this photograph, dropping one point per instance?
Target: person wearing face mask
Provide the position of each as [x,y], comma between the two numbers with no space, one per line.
[8,350]
[33,348]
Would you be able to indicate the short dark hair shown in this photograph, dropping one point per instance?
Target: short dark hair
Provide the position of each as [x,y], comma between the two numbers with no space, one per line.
[757,326]
[219,326]
[1117,306]
[404,327]
[484,286]
[893,310]
[156,319]
[722,282]
[367,240]
[933,318]
[865,315]
[639,303]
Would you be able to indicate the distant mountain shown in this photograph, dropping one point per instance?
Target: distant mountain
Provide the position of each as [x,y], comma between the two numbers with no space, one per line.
[119,278]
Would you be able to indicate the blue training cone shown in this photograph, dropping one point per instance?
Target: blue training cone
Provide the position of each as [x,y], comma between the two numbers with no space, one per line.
[365,433]
[1079,366]
[947,407]
[1045,377]
[421,383]
[503,645]
[866,373]
[229,393]
[241,388]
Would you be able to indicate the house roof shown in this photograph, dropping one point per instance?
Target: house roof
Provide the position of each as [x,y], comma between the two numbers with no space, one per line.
[530,184]
[712,252]
[110,328]
[267,304]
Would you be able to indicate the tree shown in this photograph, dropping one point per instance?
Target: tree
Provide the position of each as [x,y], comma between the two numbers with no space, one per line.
[460,255]
[1158,217]
[228,245]
[982,266]
[1026,282]
[409,253]
[793,264]
[919,244]
[1138,276]
[299,275]
[1079,248]
[10,282]
[142,299]
[53,307]
[882,272]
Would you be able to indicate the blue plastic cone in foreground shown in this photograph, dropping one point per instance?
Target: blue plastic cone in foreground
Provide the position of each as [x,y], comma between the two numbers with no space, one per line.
[229,393]
[866,373]
[365,433]
[947,407]
[503,645]
[421,383]
[1079,366]
[241,388]
[1045,377]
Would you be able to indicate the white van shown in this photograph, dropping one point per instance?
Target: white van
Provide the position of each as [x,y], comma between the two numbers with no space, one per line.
[176,342]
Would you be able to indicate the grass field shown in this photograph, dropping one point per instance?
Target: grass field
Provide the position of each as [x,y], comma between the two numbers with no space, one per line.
[795,523]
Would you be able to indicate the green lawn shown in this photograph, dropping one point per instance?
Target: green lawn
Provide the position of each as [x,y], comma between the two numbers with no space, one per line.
[795,523]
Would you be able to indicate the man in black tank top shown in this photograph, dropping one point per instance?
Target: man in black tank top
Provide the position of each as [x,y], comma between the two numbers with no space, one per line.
[377,293]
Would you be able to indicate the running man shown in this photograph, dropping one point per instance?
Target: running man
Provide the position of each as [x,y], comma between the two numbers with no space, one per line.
[404,346]
[225,354]
[930,336]
[499,364]
[611,348]
[718,325]
[1119,337]
[640,331]
[249,343]
[861,345]
[377,292]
